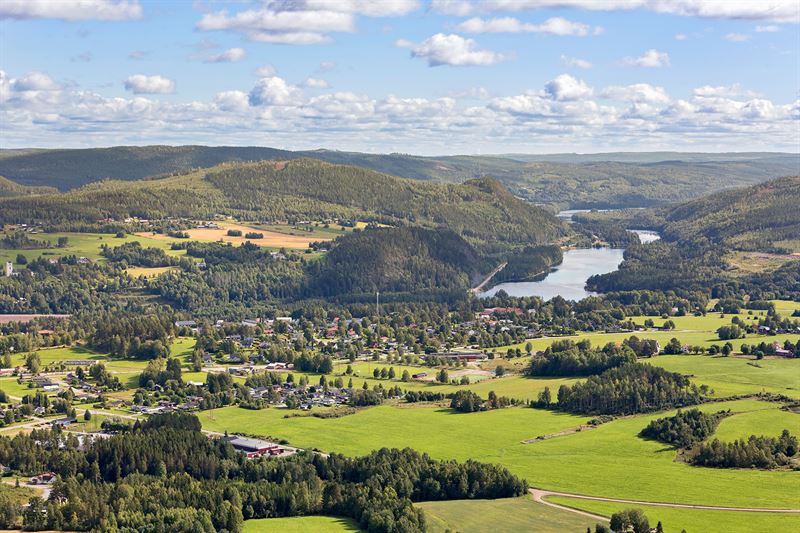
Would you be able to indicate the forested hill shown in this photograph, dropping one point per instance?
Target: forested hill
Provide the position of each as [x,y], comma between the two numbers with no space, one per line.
[300,189]
[752,218]
[597,180]
[10,188]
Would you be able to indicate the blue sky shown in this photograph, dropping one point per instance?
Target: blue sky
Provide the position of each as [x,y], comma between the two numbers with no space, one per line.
[428,77]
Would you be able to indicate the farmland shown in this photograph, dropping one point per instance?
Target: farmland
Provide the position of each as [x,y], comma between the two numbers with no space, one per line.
[301,524]
[509,514]
[632,467]
[270,239]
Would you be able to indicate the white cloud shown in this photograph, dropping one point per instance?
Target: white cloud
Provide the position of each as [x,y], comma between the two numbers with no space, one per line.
[265,71]
[737,37]
[638,92]
[565,87]
[575,62]
[142,84]
[441,49]
[773,10]
[327,66]
[302,21]
[232,100]
[315,83]
[770,28]
[681,36]
[565,114]
[651,59]
[553,26]
[71,10]
[274,91]
[231,55]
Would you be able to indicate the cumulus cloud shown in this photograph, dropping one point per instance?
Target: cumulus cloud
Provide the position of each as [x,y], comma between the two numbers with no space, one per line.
[274,91]
[638,92]
[452,49]
[301,21]
[575,62]
[553,26]
[315,83]
[565,87]
[265,71]
[143,84]
[769,28]
[71,10]
[565,113]
[231,55]
[773,10]
[650,59]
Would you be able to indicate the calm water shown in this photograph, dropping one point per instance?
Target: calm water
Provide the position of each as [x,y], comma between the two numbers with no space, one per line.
[569,278]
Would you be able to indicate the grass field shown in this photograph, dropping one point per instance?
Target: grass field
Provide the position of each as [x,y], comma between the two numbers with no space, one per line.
[610,460]
[736,375]
[84,245]
[148,272]
[301,524]
[19,494]
[11,387]
[507,515]
[769,422]
[693,520]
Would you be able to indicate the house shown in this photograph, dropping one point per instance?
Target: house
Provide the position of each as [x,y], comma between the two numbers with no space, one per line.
[64,422]
[43,479]
[419,375]
[255,447]
[50,387]
[234,358]
[781,351]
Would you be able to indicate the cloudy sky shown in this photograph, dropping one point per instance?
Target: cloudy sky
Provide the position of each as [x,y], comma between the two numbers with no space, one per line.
[417,76]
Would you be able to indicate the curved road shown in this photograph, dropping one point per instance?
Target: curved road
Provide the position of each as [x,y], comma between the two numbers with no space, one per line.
[539,496]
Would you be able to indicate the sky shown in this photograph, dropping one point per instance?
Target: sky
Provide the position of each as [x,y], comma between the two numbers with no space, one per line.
[429,77]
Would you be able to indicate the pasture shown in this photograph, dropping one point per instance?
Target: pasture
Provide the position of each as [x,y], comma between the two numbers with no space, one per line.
[301,524]
[692,520]
[505,515]
[622,464]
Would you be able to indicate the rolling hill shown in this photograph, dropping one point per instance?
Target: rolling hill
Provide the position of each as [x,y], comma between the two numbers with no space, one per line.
[565,180]
[9,188]
[302,189]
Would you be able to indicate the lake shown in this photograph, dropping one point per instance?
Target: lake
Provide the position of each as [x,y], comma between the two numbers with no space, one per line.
[568,279]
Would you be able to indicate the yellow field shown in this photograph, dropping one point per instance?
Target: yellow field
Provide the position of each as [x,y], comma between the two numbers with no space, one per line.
[148,272]
[271,239]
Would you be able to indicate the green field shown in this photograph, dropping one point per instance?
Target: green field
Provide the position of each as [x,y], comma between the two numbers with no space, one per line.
[769,422]
[736,375]
[301,524]
[693,520]
[610,460]
[84,245]
[507,515]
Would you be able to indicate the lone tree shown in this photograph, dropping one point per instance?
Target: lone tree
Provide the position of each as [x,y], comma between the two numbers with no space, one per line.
[87,415]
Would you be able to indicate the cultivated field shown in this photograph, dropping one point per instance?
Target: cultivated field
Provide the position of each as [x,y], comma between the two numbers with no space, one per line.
[506,515]
[301,524]
[271,239]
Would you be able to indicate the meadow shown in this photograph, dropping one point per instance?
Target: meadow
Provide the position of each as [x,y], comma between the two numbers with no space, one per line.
[502,515]
[622,464]
[692,520]
[301,524]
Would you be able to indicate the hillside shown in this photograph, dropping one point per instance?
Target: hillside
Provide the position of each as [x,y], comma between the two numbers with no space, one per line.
[301,189]
[398,262]
[758,218]
[9,188]
[566,180]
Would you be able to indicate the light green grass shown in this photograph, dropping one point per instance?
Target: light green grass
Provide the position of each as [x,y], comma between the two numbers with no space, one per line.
[12,388]
[301,524]
[507,515]
[693,520]
[85,245]
[62,353]
[610,460]
[768,422]
[736,375]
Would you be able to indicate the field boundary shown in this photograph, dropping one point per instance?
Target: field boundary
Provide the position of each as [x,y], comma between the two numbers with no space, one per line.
[539,496]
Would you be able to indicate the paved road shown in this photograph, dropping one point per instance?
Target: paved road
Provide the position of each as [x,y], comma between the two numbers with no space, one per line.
[479,288]
[539,495]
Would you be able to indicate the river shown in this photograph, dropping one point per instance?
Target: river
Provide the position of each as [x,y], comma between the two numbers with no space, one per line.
[568,279]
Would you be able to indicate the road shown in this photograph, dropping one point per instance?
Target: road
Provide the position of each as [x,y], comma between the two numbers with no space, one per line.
[539,496]
[479,288]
